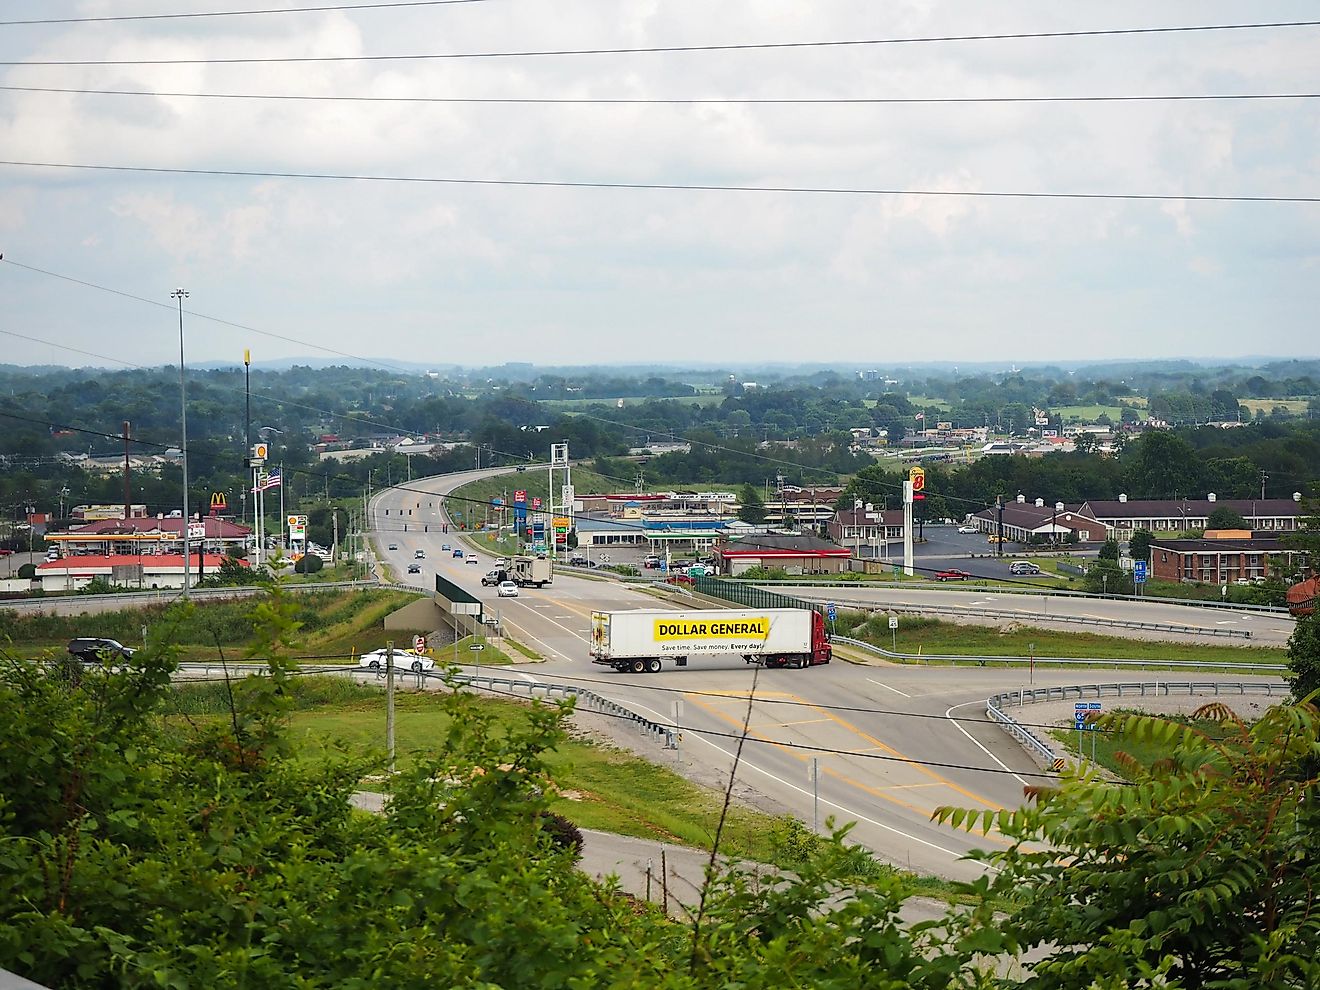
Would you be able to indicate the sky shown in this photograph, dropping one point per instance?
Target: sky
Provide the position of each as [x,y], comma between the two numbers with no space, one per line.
[481,274]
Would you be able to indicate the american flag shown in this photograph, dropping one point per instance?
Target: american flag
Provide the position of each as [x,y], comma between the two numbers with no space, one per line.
[267,481]
[920,416]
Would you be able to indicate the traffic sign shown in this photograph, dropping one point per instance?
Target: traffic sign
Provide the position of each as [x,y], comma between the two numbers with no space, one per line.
[604,558]
[831,611]
[1139,571]
[893,622]
[477,647]
[419,644]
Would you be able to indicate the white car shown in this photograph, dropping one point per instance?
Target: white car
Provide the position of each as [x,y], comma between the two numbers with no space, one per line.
[506,589]
[403,660]
[470,559]
[967,529]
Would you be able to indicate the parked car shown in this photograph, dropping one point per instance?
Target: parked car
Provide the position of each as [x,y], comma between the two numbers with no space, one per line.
[92,649]
[419,555]
[952,574]
[414,568]
[967,529]
[1023,567]
[506,589]
[403,660]
[651,561]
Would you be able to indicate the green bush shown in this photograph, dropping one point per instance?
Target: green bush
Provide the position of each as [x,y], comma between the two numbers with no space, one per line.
[308,563]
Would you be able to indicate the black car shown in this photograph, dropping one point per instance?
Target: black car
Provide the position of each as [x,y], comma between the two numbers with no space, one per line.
[94,649]
[414,569]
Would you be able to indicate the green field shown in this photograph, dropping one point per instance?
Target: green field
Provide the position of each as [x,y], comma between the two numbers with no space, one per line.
[935,637]
[1086,414]
[1295,407]
[600,787]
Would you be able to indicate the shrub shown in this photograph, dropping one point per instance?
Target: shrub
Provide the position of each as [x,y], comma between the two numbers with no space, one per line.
[308,563]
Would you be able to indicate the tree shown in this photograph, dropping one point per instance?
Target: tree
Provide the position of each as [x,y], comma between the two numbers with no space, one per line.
[1162,465]
[751,507]
[1086,442]
[1304,657]
[1109,550]
[1104,577]
[1139,544]
[1202,874]
[308,563]
[1225,518]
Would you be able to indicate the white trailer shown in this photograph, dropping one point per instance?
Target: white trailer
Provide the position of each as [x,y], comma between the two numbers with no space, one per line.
[638,640]
[527,571]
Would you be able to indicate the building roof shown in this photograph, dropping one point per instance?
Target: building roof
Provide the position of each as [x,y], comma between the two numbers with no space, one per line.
[1174,508]
[1028,515]
[1259,544]
[150,562]
[860,517]
[782,545]
[216,529]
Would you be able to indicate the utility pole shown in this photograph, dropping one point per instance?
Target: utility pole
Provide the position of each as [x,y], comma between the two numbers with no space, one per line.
[999,504]
[181,295]
[128,490]
[389,701]
[334,546]
[247,424]
[1263,476]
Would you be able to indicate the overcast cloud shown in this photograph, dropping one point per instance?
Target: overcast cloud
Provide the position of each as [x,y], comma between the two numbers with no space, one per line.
[479,275]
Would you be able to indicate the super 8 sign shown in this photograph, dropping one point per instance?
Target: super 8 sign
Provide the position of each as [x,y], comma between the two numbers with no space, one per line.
[918,478]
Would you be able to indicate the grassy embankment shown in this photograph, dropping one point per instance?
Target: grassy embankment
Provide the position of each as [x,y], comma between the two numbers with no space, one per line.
[1144,751]
[935,637]
[601,787]
[334,624]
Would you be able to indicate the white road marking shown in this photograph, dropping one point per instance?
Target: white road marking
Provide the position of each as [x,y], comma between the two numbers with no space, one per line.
[975,740]
[1225,622]
[887,687]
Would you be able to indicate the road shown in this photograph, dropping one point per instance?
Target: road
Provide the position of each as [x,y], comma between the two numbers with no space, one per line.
[1266,629]
[868,726]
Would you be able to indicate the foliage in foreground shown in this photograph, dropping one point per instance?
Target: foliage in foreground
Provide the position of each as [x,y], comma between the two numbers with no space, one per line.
[1202,873]
[141,852]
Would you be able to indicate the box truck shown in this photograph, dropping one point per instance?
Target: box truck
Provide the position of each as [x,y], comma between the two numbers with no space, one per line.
[527,571]
[637,640]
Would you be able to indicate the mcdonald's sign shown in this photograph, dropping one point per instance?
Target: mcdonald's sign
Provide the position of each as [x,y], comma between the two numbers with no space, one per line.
[218,503]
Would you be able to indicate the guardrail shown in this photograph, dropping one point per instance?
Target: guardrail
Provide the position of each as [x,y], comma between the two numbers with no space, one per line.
[982,660]
[1016,697]
[1045,617]
[1006,589]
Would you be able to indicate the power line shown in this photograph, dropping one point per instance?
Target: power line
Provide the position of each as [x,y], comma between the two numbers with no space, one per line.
[671,49]
[671,186]
[237,13]
[677,101]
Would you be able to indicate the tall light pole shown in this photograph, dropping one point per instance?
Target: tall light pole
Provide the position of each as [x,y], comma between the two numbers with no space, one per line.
[181,295]
[1054,523]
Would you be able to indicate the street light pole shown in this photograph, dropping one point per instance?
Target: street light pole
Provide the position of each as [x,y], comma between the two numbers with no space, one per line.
[181,295]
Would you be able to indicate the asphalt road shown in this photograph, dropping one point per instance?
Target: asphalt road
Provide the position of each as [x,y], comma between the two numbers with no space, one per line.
[867,726]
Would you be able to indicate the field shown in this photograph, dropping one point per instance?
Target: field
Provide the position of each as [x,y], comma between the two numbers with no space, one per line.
[1086,414]
[936,637]
[334,623]
[1295,407]
[600,787]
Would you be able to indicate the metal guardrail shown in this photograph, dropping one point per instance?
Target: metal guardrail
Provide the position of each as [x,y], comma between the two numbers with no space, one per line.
[1072,619]
[995,704]
[1042,591]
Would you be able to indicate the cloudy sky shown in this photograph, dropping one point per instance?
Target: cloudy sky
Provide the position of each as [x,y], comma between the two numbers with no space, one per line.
[478,274]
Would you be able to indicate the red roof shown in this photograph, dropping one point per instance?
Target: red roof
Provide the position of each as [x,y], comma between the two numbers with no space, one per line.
[216,529]
[155,561]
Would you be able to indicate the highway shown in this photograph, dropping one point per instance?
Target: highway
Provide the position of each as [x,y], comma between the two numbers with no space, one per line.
[884,718]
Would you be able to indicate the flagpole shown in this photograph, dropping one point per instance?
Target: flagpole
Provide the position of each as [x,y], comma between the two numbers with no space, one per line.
[283,521]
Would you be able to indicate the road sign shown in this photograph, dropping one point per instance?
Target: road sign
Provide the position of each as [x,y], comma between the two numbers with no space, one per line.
[893,622]
[1139,571]
[604,558]
[196,531]
[419,644]
[831,612]
[477,647]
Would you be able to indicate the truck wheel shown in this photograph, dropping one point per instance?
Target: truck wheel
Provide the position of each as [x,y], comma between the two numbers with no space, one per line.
[653,666]
[638,666]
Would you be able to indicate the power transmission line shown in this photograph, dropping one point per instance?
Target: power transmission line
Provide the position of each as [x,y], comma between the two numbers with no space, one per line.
[237,13]
[671,186]
[670,49]
[676,101]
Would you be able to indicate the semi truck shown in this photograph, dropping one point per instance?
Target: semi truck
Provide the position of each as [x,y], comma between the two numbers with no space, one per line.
[636,641]
[528,571]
